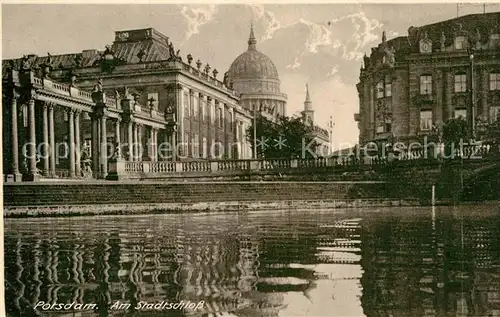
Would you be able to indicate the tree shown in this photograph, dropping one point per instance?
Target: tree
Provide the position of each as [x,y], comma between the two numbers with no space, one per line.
[288,137]
[455,132]
[492,136]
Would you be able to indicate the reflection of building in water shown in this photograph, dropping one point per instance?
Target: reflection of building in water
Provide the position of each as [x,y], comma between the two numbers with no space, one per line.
[218,268]
[90,269]
[295,259]
[418,268]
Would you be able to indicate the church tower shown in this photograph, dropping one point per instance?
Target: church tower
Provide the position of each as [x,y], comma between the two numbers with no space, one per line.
[308,112]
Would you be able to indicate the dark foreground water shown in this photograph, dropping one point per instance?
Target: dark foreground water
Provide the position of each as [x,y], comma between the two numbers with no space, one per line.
[392,262]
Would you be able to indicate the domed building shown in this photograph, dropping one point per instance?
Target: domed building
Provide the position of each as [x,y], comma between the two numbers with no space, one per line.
[255,78]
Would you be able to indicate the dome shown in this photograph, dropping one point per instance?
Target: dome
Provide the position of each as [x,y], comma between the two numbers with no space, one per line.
[253,71]
[253,64]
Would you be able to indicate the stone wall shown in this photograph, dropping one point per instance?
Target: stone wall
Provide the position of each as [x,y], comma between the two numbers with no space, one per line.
[138,193]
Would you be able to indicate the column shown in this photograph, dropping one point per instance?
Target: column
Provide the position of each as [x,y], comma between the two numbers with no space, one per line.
[33,174]
[140,150]
[135,145]
[155,144]
[77,144]
[46,153]
[151,144]
[15,143]
[104,149]
[130,140]
[71,141]
[52,141]
[118,141]
[95,145]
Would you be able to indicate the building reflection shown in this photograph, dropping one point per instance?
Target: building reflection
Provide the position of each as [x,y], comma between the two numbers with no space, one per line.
[401,265]
[443,266]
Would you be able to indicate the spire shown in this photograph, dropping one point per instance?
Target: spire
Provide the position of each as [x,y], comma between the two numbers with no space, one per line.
[307,102]
[251,40]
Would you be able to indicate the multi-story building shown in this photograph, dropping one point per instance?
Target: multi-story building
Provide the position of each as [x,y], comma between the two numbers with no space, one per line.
[410,85]
[150,95]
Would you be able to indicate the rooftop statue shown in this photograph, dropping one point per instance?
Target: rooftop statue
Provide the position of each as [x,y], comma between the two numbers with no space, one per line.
[98,86]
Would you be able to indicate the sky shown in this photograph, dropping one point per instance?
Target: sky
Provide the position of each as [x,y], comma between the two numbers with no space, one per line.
[318,44]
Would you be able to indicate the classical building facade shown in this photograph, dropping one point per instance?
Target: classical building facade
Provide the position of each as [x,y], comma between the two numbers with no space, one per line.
[139,91]
[410,85]
[255,79]
[321,136]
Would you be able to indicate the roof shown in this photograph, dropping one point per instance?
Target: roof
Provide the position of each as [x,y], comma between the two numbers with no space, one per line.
[126,48]
[477,27]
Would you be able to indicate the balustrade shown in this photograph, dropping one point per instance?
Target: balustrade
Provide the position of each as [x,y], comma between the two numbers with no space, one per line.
[134,167]
[196,166]
[275,164]
[237,165]
[161,167]
[312,163]
[38,81]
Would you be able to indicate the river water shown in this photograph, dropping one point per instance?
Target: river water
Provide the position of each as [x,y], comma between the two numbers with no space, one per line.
[346,263]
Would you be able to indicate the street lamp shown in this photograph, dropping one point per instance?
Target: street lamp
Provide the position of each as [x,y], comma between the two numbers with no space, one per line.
[171,128]
[255,131]
[472,94]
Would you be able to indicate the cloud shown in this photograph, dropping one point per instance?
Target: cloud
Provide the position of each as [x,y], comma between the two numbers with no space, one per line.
[334,71]
[269,18]
[296,63]
[197,16]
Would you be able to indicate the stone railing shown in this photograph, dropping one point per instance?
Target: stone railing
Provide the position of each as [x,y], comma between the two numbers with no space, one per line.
[161,167]
[123,169]
[133,167]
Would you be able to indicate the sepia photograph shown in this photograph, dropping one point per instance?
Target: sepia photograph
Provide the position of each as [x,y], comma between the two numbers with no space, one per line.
[250,159]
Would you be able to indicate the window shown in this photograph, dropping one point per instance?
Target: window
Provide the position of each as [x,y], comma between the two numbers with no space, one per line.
[494,81]
[388,125]
[196,146]
[212,113]
[25,115]
[217,110]
[186,105]
[380,128]
[460,83]
[460,113]
[380,89]
[191,105]
[460,43]
[153,99]
[186,144]
[220,118]
[203,110]
[425,84]
[494,113]
[388,89]
[231,118]
[205,148]
[196,107]
[425,120]
[87,147]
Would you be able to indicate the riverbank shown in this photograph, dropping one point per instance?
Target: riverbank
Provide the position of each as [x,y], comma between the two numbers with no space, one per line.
[156,208]
[61,199]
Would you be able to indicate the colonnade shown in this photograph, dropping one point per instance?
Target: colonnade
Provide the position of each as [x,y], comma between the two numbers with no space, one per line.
[39,156]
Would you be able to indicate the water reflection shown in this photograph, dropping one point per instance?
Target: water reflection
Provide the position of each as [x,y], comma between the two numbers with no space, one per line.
[395,262]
